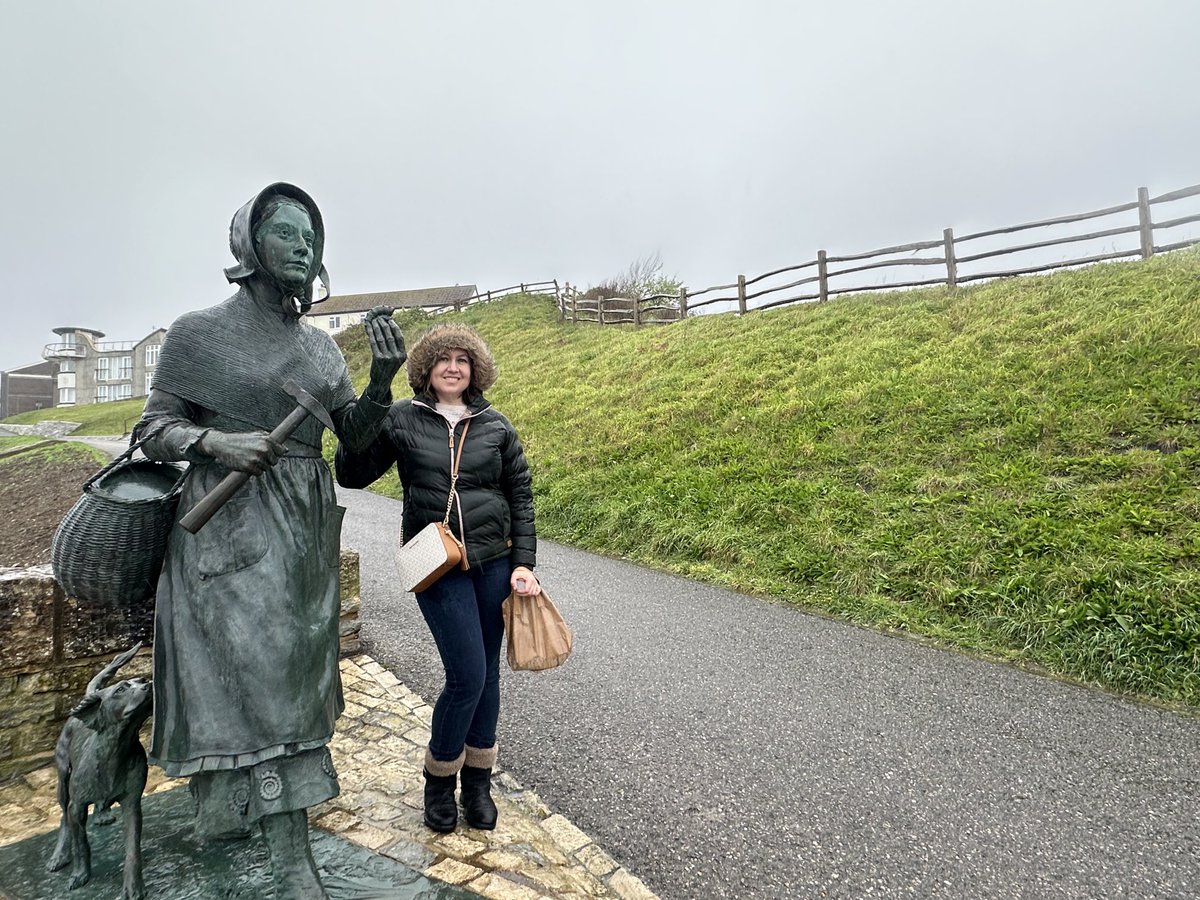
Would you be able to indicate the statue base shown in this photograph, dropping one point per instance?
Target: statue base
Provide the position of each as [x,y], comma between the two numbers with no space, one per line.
[178,867]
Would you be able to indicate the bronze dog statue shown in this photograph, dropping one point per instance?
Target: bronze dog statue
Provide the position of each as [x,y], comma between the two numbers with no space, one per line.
[100,761]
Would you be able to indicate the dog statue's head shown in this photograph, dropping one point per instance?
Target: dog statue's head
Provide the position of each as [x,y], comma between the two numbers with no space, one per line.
[124,704]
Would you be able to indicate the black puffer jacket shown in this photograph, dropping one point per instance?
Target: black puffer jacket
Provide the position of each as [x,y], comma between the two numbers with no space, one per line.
[494,490]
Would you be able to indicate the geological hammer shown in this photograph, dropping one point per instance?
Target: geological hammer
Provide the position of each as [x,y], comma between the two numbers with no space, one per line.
[306,405]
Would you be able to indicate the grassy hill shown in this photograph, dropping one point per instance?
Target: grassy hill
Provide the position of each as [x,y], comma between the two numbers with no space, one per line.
[1012,468]
[94,419]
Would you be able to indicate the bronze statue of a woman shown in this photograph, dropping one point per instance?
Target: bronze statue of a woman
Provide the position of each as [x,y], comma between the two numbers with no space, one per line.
[246,682]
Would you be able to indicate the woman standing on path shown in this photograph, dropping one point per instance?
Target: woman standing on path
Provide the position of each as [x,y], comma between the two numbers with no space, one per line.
[449,369]
[246,681]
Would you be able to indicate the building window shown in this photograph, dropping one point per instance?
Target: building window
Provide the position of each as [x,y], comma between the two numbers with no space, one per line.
[152,355]
[335,322]
[123,391]
[125,371]
[103,371]
[66,395]
[103,393]
[66,366]
[149,382]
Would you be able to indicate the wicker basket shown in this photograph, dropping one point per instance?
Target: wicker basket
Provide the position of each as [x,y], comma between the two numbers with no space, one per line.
[109,547]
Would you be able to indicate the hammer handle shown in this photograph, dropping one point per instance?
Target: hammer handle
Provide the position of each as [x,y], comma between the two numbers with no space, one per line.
[199,514]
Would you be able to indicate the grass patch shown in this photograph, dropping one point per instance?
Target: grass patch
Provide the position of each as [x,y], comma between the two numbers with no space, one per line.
[60,453]
[20,440]
[117,417]
[1011,468]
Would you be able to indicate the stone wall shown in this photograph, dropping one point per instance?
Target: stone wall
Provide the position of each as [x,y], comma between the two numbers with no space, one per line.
[348,627]
[51,646]
[48,428]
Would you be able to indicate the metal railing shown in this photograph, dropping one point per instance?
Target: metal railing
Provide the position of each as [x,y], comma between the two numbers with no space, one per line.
[56,351]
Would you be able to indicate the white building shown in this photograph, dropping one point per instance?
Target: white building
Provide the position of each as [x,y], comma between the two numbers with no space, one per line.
[340,312]
[94,371]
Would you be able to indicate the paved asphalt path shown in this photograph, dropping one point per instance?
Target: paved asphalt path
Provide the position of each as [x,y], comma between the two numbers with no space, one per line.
[113,446]
[724,747]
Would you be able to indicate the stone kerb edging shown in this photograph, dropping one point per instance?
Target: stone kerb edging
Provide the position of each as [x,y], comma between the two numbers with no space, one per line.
[378,750]
[379,747]
[533,853]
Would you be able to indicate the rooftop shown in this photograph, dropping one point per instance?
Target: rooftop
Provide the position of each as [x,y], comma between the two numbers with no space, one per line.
[426,297]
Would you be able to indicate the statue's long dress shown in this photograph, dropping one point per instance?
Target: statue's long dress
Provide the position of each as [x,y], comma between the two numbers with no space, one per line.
[246,681]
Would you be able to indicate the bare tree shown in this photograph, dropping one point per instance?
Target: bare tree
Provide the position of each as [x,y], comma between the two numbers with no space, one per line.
[642,279]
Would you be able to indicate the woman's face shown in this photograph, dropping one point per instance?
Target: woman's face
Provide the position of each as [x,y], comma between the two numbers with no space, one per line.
[284,243]
[451,375]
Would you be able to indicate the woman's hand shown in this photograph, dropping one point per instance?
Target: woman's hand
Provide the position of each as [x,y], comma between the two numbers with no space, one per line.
[252,452]
[524,582]
[387,346]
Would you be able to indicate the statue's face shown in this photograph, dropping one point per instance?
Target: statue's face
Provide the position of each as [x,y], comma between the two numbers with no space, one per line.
[284,244]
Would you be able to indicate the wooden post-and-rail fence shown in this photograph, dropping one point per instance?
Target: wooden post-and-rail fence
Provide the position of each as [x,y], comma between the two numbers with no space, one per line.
[658,309]
[661,309]
[528,287]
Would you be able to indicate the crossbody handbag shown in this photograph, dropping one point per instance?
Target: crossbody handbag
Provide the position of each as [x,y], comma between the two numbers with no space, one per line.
[435,549]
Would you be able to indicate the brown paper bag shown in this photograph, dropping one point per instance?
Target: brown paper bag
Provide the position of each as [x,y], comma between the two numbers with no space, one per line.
[538,638]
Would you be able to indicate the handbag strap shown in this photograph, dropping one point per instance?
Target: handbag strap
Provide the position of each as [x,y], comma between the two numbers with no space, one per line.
[454,472]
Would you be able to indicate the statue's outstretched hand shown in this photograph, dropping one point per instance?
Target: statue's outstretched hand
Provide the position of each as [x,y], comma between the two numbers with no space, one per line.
[387,346]
[252,452]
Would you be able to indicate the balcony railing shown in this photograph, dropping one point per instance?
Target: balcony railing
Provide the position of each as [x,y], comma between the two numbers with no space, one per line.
[113,346]
[58,351]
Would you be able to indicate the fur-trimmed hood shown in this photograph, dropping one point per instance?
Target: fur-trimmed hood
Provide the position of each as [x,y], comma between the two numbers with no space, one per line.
[451,336]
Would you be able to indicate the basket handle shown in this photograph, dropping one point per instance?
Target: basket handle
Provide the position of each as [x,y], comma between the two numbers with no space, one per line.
[128,454]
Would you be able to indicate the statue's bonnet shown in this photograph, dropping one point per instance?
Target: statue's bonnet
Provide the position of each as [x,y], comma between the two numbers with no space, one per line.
[241,238]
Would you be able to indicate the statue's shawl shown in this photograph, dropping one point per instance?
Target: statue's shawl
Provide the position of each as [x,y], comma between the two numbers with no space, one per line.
[234,358]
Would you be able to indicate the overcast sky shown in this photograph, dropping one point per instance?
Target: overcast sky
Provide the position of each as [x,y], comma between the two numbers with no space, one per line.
[490,143]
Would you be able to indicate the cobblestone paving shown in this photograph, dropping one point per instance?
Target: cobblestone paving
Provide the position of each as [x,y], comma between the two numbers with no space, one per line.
[533,854]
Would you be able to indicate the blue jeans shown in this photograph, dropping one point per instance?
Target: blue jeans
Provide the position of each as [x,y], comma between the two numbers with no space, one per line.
[462,610]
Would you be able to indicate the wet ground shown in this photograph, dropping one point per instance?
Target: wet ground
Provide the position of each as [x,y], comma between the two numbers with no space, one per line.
[177,867]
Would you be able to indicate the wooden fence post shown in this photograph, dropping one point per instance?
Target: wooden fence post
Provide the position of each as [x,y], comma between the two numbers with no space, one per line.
[822,275]
[637,312]
[741,295]
[951,262]
[682,302]
[575,306]
[1145,225]
[600,310]
[560,297]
